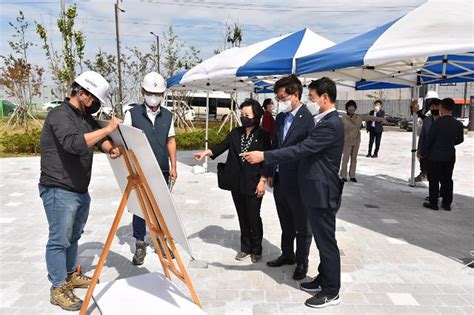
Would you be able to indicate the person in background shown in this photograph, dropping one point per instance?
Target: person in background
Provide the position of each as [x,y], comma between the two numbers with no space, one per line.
[321,188]
[352,124]
[68,141]
[431,96]
[247,181]
[268,122]
[157,124]
[428,120]
[375,129]
[439,150]
[293,124]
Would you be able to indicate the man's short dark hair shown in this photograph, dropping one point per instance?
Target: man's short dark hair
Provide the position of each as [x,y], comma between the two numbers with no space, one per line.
[448,103]
[378,102]
[256,107]
[291,84]
[435,101]
[351,103]
[266,102]
[75,88]
[324,85]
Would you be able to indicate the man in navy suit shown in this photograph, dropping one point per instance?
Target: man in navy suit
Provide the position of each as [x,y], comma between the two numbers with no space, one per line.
[293,124]
[321,187]
[375,129]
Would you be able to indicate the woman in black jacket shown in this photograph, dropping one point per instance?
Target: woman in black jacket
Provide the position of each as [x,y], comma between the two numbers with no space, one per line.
[246,181]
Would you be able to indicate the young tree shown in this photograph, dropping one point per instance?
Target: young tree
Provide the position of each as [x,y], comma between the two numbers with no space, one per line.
[21,80]
[63,63]
[137,64]
[234,34]
[232,37]
[177,58]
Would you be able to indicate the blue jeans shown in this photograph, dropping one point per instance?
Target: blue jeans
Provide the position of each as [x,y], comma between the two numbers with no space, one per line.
[67,214]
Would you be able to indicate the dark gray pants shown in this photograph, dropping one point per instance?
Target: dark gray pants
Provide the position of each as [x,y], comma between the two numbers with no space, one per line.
[293,221]
[323,225]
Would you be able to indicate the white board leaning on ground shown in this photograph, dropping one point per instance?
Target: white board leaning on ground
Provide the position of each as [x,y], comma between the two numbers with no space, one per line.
[134,139]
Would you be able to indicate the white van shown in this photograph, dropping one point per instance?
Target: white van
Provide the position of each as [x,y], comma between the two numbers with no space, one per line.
[219,104]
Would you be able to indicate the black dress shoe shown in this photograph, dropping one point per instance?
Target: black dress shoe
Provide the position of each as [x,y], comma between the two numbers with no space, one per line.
[300,272]
[375,156]
[368,155]
[446,207]
[353,179]
[344,179]
[430,206]
[280,261]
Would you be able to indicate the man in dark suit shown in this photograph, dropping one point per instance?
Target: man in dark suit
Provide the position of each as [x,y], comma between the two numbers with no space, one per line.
[445,133]
[292,126]
[375,129]
[321,187]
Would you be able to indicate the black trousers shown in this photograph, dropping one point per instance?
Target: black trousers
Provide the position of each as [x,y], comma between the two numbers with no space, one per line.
[323,225]
[441,172]
[251,228]
[377,137]
[423,166]
[139,224]
[293,221]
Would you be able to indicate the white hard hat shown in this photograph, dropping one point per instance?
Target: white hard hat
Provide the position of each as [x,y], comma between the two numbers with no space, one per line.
[153,82]
[94,83]
[431,94]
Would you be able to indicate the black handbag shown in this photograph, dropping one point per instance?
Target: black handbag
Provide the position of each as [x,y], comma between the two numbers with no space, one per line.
[223,179]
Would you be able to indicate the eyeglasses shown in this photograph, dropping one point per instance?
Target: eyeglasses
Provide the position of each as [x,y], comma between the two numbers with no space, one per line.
[283,97]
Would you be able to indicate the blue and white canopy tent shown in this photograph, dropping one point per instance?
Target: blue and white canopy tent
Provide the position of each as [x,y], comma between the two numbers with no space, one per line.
[431,44]
[239,68]
[245,68]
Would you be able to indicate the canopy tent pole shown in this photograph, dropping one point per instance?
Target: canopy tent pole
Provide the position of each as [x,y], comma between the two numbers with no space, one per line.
[415,96]
[207,129]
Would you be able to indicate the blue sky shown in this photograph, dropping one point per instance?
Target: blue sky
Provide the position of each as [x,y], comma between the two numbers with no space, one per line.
[201,23]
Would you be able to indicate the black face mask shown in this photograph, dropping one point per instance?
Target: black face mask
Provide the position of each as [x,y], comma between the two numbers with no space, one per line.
[435,112]
[247,122]
[93,108]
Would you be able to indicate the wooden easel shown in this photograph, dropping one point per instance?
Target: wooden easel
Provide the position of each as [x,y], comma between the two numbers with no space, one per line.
[155,223]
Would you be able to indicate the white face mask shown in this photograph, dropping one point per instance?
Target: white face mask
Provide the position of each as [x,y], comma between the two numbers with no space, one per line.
[313,107]
[153,100]
[284,107]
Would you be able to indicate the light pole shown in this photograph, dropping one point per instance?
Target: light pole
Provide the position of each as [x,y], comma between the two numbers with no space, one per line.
[119,59]
[157,50]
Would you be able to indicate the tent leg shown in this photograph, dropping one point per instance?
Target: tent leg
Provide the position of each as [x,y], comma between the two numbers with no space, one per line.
[207,129]
[415,94]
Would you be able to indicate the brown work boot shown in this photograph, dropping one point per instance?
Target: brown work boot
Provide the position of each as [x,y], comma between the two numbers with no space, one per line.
[65,298]
[78,280]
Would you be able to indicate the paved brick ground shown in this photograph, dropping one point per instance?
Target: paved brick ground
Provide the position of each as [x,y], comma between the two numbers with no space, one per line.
[397,257]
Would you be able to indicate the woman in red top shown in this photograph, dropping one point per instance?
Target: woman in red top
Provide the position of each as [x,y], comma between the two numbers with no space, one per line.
[268,122]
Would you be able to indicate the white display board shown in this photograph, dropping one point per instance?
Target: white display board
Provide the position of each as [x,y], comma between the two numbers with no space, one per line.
[120,170]
[150,293]
[135,139]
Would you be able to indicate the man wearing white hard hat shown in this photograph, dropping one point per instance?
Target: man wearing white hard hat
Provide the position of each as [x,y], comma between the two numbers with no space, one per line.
[157,124]
[68,140]
[431,103]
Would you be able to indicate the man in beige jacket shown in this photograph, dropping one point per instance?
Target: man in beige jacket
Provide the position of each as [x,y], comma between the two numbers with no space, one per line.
[352,123]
